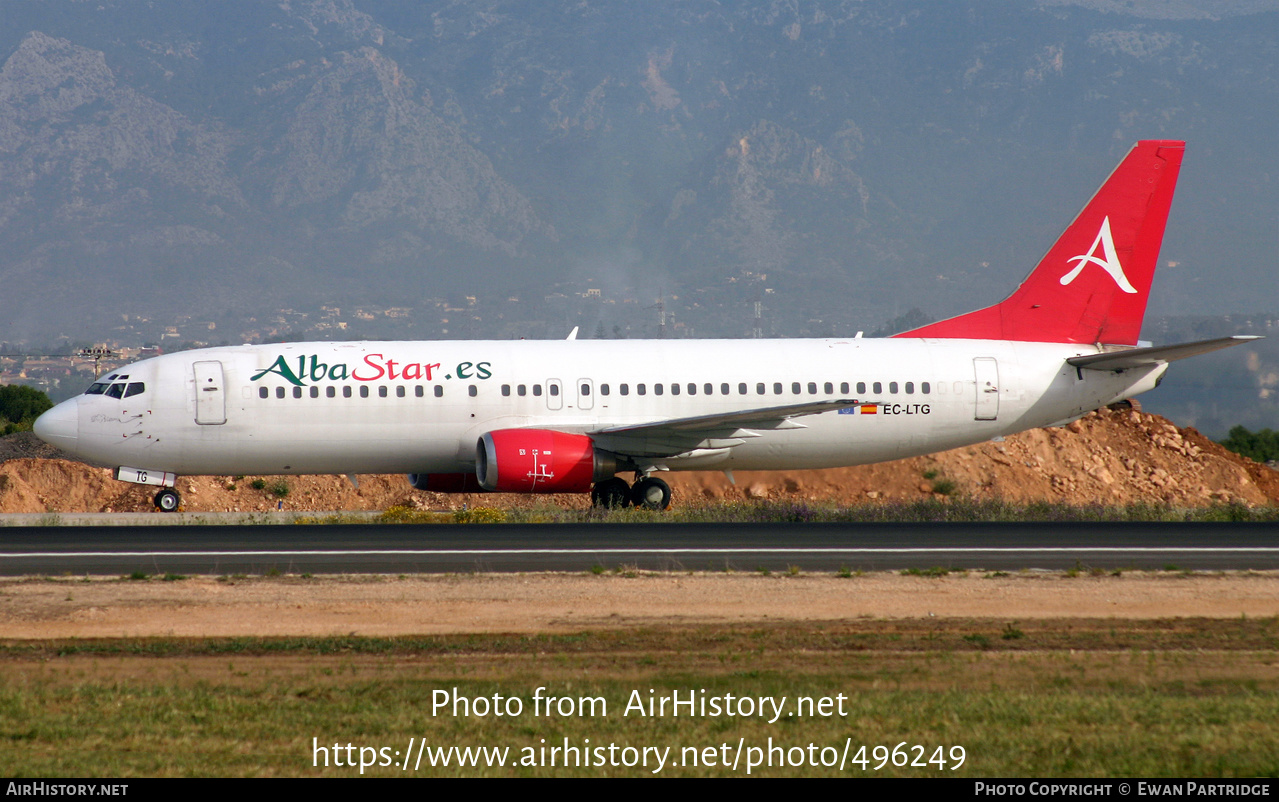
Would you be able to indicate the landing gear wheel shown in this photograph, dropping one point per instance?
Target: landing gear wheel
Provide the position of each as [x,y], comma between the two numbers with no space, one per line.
[611,494]
[651,494]
[167,500]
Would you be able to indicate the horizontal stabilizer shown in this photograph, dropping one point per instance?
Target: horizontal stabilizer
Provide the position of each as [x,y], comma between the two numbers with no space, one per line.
[1146,357]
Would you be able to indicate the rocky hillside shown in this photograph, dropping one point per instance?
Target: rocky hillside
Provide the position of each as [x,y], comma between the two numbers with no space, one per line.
[1109,457]
[842,159]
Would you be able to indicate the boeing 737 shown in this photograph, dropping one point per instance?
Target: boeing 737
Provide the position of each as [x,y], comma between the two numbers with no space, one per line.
[569,416]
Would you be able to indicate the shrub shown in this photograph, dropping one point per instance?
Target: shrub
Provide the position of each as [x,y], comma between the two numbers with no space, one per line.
[1261,446]
[479,515]
[21,405]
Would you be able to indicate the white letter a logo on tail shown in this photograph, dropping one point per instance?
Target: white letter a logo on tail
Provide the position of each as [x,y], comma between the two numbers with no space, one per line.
[1110,262]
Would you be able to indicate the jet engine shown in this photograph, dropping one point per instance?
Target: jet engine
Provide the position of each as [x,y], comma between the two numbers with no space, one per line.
[446,482]
[540,461]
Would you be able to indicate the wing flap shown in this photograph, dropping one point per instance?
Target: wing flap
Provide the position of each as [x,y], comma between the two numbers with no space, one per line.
[748,418]
[674,436]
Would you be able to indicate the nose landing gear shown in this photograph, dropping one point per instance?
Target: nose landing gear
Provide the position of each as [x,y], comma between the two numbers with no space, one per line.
[167,500]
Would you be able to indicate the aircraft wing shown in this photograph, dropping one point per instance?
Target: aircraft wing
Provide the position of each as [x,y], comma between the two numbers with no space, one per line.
[1147,357]
[681,436]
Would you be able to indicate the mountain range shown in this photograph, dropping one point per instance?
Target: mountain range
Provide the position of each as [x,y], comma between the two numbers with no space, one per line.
[863,158]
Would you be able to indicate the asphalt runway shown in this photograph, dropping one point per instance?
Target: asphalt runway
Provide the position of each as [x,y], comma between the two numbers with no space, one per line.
[437,548]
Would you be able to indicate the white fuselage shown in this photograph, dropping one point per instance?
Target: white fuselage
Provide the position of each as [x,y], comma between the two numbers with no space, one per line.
[419,407]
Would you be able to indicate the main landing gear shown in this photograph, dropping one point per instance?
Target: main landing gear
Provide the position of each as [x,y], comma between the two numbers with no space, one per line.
[167,500]
[650,493]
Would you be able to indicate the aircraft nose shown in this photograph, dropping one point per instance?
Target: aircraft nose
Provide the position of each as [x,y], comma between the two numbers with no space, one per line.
[60,426]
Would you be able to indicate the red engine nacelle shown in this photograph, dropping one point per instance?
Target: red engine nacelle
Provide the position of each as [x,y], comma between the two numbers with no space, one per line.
[446,482]
[540,461]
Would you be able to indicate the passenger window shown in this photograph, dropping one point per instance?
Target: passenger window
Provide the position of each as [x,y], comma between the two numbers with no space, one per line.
[506,389]
[777,388]
[472,390]
[262,392]
[586,389]
[603,389]
[692,388]
[959,388]
[910,388]
[741,388]
[828,389]
[723,389]
[794,387]
[331,391]
[399,391]
[759,388]
[624,389]
[419,391]
[659,388]
[924,388]
[439,391]
[812,388]
[521,390]
[861,388]
[381,391]
[346,391]
[892,387]
[877,387]
[537,390]
[315,391]
[297,392]
[553,388]
[641,389]
[279,392]
[674,388]
[843,388]
[98,388]
[364,391]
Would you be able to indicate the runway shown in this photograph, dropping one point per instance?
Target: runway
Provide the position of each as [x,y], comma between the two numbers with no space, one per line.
[443,548]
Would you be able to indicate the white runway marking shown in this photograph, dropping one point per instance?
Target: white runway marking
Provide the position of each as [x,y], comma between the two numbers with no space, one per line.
[503,552]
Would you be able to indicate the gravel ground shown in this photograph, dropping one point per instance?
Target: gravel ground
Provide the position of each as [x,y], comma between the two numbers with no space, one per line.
[531,603]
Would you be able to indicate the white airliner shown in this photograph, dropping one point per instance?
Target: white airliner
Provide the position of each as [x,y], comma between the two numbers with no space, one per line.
[569,416]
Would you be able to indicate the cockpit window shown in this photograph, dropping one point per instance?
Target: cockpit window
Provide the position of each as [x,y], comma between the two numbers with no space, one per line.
[109,378]
[115,391]
[97,388]
[134,388]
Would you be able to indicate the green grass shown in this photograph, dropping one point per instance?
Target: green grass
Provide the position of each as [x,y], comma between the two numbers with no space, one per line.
[1074,698]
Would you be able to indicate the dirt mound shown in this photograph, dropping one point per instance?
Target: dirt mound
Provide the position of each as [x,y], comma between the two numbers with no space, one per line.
[26,444]
[1111,457]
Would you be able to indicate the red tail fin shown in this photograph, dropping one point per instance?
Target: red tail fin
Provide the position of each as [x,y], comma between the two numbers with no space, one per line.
[1093,284]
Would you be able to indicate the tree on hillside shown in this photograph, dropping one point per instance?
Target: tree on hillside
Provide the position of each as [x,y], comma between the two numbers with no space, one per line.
[20,406]
[1261,446]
